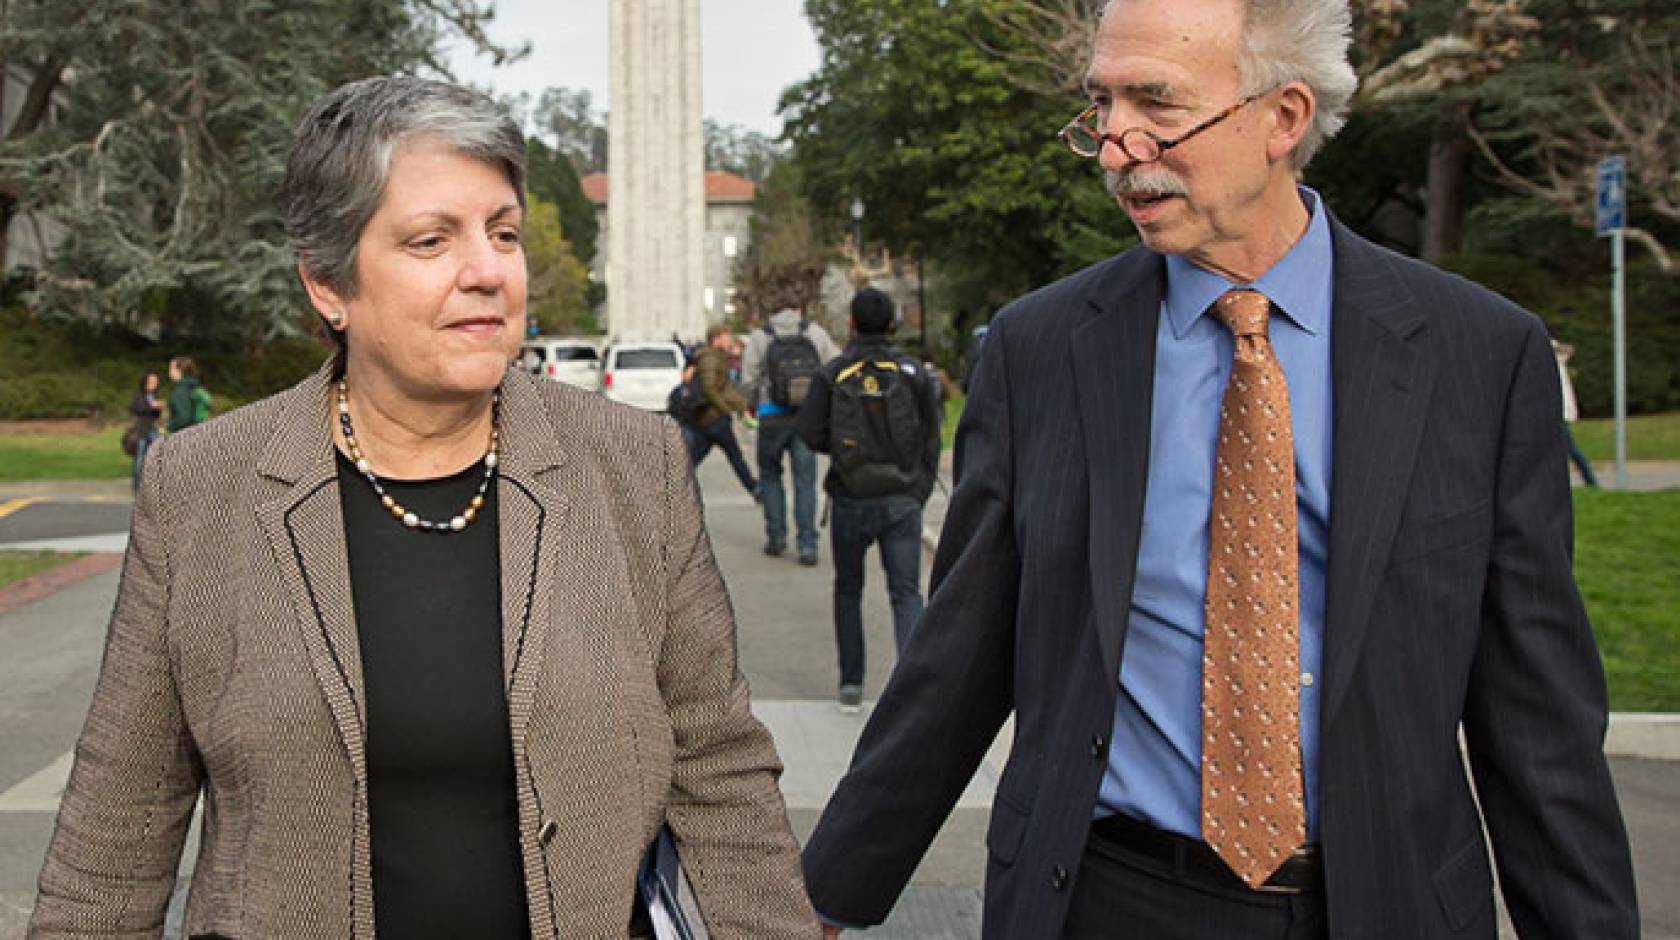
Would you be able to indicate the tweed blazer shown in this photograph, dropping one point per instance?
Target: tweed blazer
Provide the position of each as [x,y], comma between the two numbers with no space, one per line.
[232,669]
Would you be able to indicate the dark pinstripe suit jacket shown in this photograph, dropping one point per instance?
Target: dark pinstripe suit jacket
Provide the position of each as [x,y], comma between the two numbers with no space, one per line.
[1450,603]
[232,665]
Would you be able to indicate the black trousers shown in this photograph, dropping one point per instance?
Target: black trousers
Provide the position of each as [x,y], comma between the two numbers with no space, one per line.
[720,433]
[1122,895]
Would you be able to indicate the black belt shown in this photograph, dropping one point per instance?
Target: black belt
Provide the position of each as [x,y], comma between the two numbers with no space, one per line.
[1302,873]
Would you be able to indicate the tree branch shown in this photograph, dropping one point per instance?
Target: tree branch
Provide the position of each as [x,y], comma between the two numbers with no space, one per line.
[38,100]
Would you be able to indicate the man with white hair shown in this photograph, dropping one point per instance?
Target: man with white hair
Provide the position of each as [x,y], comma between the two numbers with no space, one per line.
[1251,522]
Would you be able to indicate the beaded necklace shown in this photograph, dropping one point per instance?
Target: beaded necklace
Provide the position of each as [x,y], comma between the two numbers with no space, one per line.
[396,509]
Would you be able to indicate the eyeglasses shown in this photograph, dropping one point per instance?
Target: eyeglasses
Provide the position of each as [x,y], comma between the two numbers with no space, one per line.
[1085,136]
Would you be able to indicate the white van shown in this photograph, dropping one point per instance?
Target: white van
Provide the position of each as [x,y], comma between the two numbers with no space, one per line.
[642,374]
[573,361]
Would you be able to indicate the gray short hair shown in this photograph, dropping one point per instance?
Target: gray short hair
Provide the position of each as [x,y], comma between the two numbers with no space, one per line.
[341,160]
[1305,41]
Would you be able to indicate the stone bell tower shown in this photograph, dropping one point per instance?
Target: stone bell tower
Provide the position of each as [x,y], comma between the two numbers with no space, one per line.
[656,200]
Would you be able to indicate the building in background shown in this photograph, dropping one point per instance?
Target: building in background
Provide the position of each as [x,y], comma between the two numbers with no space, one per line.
[729,207]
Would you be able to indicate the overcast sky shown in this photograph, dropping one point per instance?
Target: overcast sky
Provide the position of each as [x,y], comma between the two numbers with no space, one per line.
[750,50]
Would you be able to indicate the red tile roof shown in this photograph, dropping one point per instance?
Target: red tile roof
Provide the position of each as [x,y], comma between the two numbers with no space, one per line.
[727,187]
[595,188]
[720,187]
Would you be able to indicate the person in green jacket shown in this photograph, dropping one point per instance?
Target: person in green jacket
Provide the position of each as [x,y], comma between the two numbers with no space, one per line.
[712,427]
[189,403]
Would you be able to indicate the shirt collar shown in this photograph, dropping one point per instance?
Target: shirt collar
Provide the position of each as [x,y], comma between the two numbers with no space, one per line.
[1299,283]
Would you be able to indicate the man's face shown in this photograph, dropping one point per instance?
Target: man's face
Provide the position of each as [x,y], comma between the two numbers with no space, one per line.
[1165,66]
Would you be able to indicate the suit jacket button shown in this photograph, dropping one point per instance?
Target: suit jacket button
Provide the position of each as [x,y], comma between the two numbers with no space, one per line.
[1059,878]
[545,834]
[1099,746]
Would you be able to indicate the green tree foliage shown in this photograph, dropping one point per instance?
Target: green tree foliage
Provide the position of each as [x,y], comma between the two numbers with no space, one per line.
[739,150]
[786,253]
[557,283]
[164,160]
[569,121]
[1600,81]
[551,177]
[912,110]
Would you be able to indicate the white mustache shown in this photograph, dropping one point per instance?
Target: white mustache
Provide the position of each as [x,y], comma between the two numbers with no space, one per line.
[1146,181]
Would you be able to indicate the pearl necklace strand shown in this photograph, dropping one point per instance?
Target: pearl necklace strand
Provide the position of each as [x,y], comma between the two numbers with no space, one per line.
[396,509]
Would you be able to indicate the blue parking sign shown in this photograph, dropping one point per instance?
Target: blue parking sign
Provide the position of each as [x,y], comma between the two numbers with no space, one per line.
[1611,204]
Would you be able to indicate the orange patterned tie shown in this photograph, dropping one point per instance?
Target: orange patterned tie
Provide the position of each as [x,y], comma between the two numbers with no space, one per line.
[1253,814]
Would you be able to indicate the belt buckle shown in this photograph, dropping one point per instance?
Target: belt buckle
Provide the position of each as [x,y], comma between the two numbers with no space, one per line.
[1298,855]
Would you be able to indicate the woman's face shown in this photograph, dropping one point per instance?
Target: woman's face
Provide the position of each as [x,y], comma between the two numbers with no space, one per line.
[151,382]
[440,302]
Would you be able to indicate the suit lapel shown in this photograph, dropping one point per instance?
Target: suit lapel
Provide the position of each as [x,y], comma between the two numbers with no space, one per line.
[1113,355]
[304,524]
[533,512]
[1382,385]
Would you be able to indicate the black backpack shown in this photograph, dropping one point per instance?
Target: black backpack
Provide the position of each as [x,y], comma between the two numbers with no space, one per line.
[876,425]
[686,402]
[793,364]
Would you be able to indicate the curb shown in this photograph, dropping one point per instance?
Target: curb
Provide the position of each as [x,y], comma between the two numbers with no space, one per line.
[53,580]
[1645,735]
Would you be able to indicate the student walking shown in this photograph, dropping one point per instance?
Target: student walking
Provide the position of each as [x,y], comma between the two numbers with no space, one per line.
[189,403]
[778,366]
[146,409]
[1571,412]
[875,411]
[714,402]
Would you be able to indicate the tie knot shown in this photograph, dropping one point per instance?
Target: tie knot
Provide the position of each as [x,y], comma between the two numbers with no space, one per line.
[1244,312]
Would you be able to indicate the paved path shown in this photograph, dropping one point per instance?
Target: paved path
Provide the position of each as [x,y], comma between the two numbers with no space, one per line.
[1642,474]
[53,647]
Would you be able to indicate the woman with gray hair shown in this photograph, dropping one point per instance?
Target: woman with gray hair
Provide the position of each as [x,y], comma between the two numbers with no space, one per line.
[442,648]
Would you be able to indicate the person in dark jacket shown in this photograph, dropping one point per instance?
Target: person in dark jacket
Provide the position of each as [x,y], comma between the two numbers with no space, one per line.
[184,394]
[869,510]
[146,409]
[723,402]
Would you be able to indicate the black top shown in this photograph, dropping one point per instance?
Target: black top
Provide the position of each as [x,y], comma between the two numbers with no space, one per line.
[441,795]
[145,409]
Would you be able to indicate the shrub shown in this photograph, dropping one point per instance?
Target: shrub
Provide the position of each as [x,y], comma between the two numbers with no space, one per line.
[1578,312]
[55,395]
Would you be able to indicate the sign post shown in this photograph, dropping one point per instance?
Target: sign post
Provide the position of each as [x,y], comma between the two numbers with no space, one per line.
[1611,219]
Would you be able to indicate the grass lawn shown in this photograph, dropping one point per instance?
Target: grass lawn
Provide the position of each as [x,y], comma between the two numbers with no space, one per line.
[1649,437]
[1627,553]
[953,413]
[15,566]
[78,455]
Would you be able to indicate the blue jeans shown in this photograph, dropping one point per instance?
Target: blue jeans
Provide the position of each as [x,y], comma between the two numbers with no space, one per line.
[1579,459]
[896,523]
[719,433]
[140,449]
[772,443]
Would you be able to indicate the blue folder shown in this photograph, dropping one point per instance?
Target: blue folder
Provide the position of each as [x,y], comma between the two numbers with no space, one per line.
[667,894]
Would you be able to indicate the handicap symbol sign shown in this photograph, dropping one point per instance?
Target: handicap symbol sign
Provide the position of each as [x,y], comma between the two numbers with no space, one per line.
[1611,202]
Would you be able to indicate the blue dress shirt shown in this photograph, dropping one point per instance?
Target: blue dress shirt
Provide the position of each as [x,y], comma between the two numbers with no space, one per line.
[1155,751]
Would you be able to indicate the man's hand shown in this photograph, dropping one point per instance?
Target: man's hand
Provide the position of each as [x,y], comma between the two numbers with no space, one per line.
[831,933]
